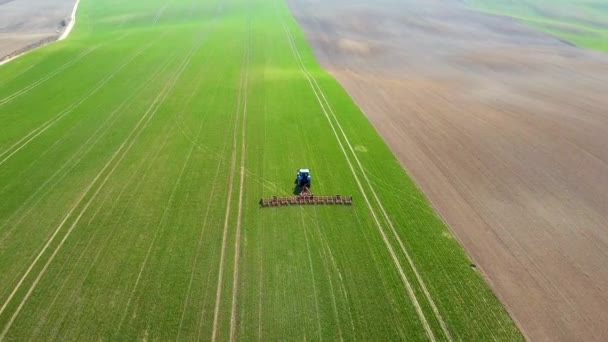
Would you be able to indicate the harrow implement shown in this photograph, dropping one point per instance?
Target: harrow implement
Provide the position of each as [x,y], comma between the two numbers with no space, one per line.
[305,197]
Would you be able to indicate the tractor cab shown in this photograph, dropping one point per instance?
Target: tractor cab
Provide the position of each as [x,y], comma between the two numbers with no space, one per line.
[303,178]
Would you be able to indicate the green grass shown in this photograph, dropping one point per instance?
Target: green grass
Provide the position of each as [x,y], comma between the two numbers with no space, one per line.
[583,23]
[115,171]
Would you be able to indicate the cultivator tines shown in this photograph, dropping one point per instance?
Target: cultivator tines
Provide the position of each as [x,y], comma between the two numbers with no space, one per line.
[305,197]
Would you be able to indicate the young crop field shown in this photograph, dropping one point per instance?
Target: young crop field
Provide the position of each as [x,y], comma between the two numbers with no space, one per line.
[584,23]
[132,159]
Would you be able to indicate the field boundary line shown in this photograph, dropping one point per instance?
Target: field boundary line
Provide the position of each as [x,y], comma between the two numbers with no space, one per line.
[237,247]
[68,29]
[387,243]
[148,115]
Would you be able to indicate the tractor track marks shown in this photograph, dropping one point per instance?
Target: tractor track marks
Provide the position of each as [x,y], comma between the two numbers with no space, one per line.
[17,74]
[241,109]
[237,248]
[199,245]
[57,71]
[141,177]
[328,258]
[324,104]
[122,150]
[23,142]
[35,84]
[101,247]
[312,278]
[50,240]
[73,161]
[83,150]
[159,101]
[86,206]
[195,146]
[310,235]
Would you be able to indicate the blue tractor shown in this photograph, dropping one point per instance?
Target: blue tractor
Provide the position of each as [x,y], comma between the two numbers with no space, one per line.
[303,178]
[303,195]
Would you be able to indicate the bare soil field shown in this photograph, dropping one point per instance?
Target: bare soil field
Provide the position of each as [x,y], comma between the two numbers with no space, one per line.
[504,128]
[26,24]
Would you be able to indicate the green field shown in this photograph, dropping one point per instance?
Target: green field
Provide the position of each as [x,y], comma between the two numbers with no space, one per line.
[581,22]
[132,159]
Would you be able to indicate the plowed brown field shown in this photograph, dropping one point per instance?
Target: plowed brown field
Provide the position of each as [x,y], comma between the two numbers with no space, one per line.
[25,24]
[504,128]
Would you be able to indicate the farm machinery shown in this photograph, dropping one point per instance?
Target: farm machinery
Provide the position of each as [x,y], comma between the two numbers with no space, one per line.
[303,194]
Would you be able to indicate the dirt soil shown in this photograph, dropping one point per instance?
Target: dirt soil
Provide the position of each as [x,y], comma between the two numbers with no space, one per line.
[26,24]
[504,128]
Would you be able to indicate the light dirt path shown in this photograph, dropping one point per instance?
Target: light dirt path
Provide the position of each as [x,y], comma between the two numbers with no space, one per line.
[71,22]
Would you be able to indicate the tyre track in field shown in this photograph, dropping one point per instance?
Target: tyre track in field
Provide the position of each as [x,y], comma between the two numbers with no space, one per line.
[75,159]
[35,84]
[195,144]
[314,283]
[309,235]
[401,244]
[168,89]
[326,246]
[199,244]
[103,246]
[57,71]
[71,228]
[237,247]
[396,262]
[240,100]
[19,145]
[324,104]
[141,176]
[15,75]
[122,150]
